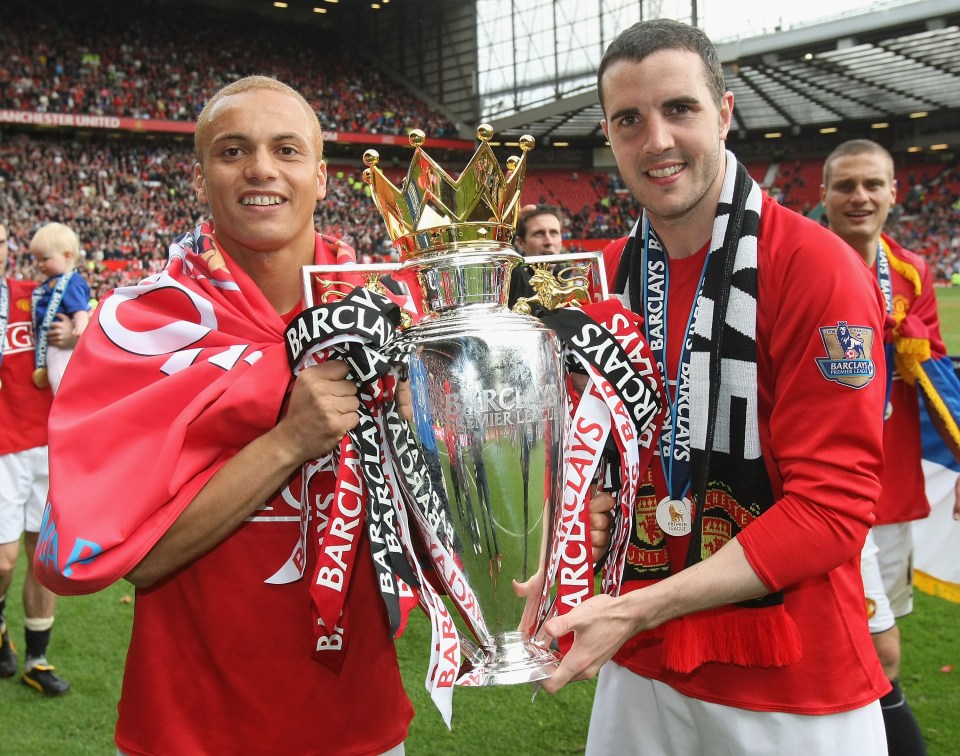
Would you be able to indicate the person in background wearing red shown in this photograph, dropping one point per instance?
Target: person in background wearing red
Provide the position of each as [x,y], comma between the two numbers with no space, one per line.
[24,476]
[858,192]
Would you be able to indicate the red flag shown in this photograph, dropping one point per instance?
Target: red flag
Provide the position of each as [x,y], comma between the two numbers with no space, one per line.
[173,377]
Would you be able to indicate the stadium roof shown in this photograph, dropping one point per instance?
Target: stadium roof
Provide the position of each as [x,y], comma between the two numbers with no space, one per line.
[892,64]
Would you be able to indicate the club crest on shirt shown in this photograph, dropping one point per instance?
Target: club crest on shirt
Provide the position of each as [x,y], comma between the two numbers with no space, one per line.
[849,354]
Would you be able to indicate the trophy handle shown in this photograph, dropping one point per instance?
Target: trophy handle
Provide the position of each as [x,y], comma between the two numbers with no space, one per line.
[323,284]
[592,260]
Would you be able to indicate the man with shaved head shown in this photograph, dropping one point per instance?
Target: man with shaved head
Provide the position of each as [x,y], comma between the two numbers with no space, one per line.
[211,503]
[858,192]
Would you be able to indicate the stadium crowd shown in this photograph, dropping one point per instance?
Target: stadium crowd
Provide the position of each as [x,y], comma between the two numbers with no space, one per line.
[928,221]
[128,198]
[125,60]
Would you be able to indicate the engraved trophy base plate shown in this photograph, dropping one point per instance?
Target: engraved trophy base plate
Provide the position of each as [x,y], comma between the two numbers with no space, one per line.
[513,660]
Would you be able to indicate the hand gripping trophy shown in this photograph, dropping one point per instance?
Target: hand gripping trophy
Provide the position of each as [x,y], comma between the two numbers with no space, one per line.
[493,473]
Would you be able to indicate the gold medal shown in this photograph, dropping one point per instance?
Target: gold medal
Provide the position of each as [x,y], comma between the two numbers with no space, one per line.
[40,378]
[674,516]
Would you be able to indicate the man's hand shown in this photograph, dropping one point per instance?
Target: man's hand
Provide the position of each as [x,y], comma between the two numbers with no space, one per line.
[61,333]
[601,523]
[600,626]
[323,407]
[404,400]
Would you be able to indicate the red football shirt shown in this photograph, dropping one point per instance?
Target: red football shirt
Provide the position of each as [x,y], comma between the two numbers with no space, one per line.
[23,407]
[821,443]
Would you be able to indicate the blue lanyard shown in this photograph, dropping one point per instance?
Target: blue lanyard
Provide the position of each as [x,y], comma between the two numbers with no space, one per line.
[42,330]
[883,275]
[4,315]
[886,286]
[674,441]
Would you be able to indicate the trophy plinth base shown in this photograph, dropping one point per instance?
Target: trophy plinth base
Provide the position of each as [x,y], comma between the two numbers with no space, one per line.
[510,661]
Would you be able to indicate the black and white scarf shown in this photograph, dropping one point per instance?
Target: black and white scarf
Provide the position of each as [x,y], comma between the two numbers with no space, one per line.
[729,483]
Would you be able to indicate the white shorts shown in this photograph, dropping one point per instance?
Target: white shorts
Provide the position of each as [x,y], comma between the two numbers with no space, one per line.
[886,566]
[24,480]
[635,716]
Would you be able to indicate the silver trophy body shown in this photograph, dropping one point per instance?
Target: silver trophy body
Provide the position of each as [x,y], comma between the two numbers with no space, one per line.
[489,400]
[489,405]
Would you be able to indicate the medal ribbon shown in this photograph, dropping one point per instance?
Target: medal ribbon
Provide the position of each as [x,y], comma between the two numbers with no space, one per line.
[674,444]
[883,275]
[43,329]
[4,315]
[886,286]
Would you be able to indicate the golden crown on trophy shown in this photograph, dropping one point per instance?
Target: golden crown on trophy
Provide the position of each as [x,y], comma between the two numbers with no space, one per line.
[431,211]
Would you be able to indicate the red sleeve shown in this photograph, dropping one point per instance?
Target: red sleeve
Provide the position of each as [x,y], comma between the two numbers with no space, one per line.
[822,438]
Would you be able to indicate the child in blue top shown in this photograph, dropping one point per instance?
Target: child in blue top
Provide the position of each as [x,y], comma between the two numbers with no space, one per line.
[56,250]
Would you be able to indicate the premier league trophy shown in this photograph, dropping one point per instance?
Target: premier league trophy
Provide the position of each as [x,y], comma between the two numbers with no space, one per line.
[489,401]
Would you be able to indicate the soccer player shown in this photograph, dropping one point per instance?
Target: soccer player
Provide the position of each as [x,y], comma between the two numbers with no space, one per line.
[858,192]
[196,443]
[741,628]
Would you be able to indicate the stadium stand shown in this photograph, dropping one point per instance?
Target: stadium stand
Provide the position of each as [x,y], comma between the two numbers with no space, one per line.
[129,198]
[129,195]
[128,59]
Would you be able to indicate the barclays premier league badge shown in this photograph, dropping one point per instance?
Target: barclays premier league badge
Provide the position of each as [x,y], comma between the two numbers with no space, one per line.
[849,359]
[674,516]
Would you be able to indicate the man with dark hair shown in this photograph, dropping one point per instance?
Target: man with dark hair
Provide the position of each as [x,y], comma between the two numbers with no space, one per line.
[858,192]
[539,232]
[741,626]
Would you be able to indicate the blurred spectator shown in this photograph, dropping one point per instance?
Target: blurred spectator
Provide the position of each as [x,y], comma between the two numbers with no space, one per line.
[928,220]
